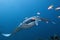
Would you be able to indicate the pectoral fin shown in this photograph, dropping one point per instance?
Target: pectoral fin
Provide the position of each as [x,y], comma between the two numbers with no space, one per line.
[36,22]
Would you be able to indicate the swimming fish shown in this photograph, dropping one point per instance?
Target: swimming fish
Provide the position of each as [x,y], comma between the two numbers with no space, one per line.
[58,8]
[50,7]
[28,23]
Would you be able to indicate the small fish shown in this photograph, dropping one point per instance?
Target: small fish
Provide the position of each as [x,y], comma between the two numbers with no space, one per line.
[50,7]
[58,8]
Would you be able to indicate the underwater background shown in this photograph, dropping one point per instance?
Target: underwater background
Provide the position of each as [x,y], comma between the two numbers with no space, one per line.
[13,12]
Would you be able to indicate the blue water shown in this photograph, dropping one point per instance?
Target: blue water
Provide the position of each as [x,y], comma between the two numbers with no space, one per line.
[13,12]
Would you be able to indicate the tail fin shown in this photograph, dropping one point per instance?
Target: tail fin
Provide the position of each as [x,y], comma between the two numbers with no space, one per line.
[6,35]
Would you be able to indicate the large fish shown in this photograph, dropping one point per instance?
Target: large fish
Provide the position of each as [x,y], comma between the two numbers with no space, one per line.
[28,23]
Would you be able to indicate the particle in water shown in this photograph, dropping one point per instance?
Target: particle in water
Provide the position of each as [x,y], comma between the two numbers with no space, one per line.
[47,22]
[26,17]
[53,22]
[38,13]
[58,16]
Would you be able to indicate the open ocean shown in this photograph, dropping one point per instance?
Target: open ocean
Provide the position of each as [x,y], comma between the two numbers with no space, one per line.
[13,12]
